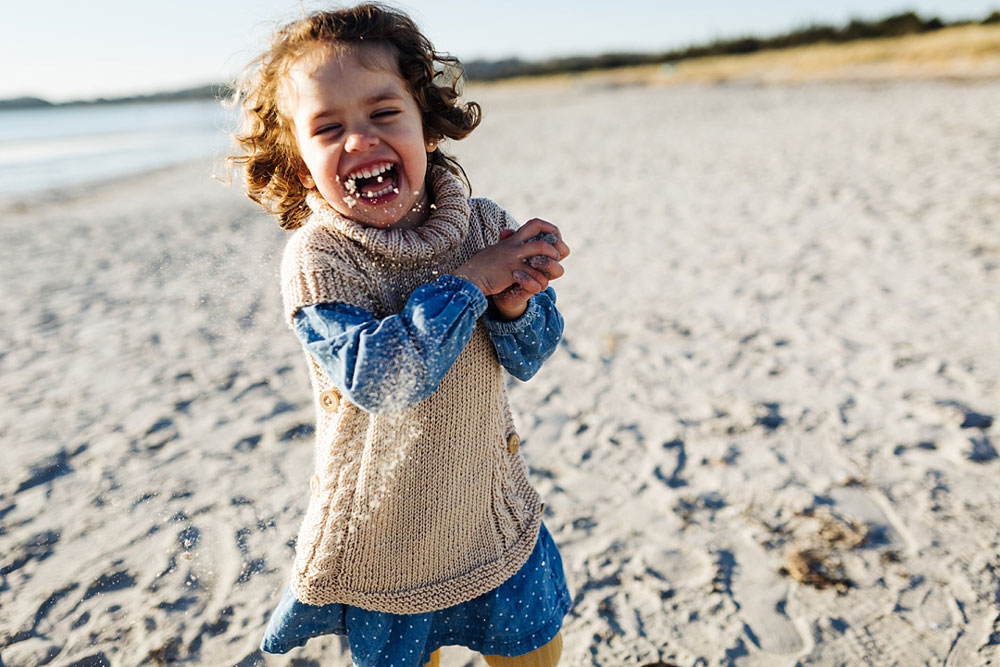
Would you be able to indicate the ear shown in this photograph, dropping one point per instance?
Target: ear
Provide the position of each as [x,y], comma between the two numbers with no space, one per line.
[430,145]
[305,178]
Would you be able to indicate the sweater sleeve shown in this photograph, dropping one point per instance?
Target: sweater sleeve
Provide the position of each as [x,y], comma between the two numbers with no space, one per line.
[524,344]
[389,364]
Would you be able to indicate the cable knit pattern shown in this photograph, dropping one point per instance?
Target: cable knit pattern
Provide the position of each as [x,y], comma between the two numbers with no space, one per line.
[423,508]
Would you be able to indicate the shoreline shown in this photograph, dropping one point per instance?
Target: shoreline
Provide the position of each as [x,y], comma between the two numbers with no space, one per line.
[25,202]
[583,83]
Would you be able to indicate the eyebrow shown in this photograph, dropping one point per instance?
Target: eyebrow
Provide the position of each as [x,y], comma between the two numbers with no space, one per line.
[387,94]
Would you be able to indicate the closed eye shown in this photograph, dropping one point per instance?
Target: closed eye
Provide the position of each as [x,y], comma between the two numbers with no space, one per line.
[327,129]
[386,113]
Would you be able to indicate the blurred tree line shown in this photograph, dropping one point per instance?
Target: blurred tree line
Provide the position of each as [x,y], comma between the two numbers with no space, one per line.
[907,23]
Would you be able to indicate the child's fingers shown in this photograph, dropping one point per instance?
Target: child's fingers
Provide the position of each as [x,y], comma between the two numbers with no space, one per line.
[530,280]
[530,248]
[537,228]
[562,248]
[542,243]
[534,227]
[513,293]
[548,266]
[529,251]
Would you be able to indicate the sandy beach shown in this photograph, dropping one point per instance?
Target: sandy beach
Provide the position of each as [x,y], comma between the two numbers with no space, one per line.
[769,437]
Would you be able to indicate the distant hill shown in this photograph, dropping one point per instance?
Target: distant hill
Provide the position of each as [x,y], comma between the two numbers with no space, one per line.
[898,25]
[24,103]
[208,92]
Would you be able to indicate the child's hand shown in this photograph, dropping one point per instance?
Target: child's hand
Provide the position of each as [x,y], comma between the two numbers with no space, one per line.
[498,267]
[511,303]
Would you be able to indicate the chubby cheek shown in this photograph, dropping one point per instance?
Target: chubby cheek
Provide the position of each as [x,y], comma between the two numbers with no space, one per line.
[307,166]
[322,175]
[417,171]
[333,196]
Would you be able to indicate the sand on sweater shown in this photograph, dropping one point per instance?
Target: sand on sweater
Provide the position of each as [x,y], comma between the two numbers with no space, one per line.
[768,437]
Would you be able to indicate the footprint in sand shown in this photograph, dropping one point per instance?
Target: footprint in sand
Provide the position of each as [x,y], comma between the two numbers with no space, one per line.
[38,547]
[50,468]
[159,434]
[110,581]
[981,450]
[763,596]
[297,431]
[248,443]
[883,526]
[98,659]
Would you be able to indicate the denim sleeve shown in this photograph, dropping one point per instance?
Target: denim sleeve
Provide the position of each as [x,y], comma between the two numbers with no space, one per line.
[524,344]
[389,364]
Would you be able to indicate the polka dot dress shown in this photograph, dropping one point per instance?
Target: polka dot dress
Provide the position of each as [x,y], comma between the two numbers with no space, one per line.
[521,615]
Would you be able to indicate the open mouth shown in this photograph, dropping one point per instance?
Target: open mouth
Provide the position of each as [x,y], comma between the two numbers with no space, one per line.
[373,182]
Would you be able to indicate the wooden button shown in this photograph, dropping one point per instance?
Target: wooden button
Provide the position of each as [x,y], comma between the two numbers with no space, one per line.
[513,443]
[328,401]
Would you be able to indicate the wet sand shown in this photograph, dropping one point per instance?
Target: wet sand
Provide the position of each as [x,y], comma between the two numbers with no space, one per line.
[769,437]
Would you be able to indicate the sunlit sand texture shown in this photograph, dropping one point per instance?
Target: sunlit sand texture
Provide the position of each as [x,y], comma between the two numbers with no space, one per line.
[769,436]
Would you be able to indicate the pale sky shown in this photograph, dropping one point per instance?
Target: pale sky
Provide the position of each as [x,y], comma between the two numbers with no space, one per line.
[64,49]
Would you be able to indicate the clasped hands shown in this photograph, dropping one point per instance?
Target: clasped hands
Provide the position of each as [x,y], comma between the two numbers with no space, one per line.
[517,267]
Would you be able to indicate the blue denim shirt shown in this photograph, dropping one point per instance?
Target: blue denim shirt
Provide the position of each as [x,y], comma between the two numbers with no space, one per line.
[361,353]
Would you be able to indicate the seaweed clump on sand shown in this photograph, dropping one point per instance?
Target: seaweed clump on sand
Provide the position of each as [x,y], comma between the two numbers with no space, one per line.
[816,568]
[816,560]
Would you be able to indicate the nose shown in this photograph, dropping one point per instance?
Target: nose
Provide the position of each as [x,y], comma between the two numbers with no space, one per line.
[360,140]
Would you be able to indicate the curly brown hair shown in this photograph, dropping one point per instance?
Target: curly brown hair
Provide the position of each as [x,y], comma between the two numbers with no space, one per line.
[267,153]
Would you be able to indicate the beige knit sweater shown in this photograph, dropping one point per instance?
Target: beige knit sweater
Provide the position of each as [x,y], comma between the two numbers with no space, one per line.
[426,507]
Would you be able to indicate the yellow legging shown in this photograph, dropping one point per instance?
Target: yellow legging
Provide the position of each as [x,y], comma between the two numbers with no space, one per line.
[546,656]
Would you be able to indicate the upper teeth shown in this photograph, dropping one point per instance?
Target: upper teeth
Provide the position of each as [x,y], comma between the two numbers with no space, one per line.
[368,172]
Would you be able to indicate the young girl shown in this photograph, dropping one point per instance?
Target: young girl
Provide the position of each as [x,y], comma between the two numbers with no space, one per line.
[422,529]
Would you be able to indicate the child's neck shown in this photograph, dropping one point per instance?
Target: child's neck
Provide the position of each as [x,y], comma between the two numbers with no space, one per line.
[416,216]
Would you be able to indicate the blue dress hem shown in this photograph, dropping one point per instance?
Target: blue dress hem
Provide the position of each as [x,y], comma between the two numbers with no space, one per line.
[522,614]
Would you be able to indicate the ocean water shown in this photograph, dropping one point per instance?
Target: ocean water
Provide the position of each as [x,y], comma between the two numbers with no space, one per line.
[55,147]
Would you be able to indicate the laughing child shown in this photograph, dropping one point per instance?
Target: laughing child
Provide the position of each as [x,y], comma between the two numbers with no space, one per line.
[410,300]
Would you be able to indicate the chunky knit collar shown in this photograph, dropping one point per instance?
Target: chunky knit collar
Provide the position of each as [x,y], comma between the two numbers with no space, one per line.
[440,234]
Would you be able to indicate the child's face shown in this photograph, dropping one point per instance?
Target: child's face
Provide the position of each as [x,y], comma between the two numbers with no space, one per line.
[351,120]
